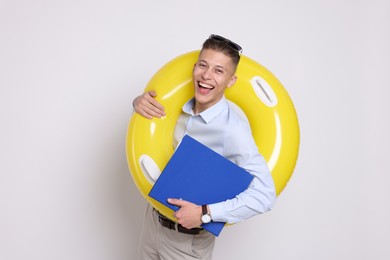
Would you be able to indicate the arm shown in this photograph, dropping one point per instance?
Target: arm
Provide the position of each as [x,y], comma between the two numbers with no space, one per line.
[260,196]
[241,149]
[147,106]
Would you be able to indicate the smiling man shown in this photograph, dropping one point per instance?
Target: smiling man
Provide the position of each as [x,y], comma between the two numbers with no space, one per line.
[209,118]
[212,74]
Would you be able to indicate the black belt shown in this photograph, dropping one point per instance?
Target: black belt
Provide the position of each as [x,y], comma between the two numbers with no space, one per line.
[166,222]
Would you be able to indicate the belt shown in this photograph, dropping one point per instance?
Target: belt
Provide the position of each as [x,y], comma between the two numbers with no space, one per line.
[166,222]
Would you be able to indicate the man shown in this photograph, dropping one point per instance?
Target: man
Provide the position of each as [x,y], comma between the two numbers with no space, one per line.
[209,118]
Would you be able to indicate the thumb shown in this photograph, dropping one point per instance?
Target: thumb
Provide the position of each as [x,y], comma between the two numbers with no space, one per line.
[152,93]
[176,202]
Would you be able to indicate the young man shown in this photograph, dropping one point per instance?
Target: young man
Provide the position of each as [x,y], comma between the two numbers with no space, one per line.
[209,118]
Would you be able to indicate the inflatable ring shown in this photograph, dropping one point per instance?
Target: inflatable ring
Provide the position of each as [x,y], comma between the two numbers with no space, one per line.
[259,94]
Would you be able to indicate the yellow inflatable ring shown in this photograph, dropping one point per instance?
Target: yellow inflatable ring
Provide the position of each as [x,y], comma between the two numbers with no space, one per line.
[257,92]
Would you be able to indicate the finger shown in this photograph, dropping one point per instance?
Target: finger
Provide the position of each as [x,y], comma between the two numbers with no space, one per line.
[144,108]
[143,111]
[153,106]
[177,202]
[156,105]
[147,106]
[149,110]
[152,93]
[144,114]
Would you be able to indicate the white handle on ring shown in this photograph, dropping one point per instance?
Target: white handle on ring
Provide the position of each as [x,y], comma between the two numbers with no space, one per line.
[264,91]
[149,168]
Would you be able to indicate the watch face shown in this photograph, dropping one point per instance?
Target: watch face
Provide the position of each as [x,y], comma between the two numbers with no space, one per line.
[206,218]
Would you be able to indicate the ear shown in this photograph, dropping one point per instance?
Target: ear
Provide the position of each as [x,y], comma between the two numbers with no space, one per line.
[232,80]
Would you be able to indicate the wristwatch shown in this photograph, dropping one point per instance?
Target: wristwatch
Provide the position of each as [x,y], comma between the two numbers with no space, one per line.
[206,218]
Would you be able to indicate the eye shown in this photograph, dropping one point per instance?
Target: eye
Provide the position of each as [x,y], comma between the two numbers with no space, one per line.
[201,65]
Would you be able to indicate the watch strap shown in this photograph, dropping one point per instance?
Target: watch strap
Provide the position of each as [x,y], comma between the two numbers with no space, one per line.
[204,210]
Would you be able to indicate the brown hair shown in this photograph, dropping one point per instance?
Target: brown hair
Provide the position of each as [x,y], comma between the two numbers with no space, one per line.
[225,46]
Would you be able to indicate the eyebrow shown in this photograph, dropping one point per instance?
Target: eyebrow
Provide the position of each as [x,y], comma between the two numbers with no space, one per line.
[218,66]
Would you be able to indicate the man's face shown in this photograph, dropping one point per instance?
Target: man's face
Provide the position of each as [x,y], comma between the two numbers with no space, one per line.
[212,74]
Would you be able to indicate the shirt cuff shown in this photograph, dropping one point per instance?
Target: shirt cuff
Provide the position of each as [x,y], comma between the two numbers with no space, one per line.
[217,213]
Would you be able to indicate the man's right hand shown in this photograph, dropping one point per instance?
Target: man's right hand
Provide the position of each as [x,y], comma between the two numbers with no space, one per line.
[147,106]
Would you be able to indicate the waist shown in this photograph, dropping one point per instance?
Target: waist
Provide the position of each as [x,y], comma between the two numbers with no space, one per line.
[166,222]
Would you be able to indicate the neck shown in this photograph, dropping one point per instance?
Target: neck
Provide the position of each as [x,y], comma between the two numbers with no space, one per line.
[197,109]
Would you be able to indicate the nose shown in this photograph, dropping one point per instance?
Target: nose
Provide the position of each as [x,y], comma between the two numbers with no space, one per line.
[206,74]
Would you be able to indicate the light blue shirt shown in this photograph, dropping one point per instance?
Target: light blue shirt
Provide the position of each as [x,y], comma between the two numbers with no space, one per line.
[223,130]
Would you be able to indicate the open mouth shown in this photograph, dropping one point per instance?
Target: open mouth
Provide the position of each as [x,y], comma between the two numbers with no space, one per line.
[204,88]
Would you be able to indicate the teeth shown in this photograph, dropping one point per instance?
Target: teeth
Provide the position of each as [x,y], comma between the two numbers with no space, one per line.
[203,85]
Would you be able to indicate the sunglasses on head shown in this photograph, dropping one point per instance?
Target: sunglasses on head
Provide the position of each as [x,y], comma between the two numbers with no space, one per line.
[231,44]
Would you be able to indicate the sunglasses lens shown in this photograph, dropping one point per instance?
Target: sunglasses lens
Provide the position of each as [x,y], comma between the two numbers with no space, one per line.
[235,46]
[232,45]
[218,38]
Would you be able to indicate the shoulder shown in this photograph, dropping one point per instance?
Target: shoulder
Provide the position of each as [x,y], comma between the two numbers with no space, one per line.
[238,132]
[237,117]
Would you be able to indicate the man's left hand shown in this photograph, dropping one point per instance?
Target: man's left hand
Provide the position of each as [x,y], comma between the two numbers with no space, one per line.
[189,214]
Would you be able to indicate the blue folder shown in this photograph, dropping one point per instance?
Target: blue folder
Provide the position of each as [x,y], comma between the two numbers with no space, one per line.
[197,174]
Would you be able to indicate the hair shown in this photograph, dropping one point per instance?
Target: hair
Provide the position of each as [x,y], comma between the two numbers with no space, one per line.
[225,48]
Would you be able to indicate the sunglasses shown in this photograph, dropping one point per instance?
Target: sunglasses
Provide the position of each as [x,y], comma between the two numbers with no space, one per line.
[231,44]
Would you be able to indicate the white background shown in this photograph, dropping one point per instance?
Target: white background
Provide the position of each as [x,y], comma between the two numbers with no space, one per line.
[69,71]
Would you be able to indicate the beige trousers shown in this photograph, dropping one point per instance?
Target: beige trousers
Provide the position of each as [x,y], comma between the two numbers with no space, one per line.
[160,243]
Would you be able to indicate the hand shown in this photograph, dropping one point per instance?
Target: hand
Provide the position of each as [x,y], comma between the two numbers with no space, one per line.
[189,214]
[147,106]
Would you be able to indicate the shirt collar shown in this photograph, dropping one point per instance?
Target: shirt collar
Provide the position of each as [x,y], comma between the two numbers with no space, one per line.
[209,113]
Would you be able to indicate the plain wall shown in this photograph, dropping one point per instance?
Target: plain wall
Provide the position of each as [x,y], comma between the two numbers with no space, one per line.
[69,71]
